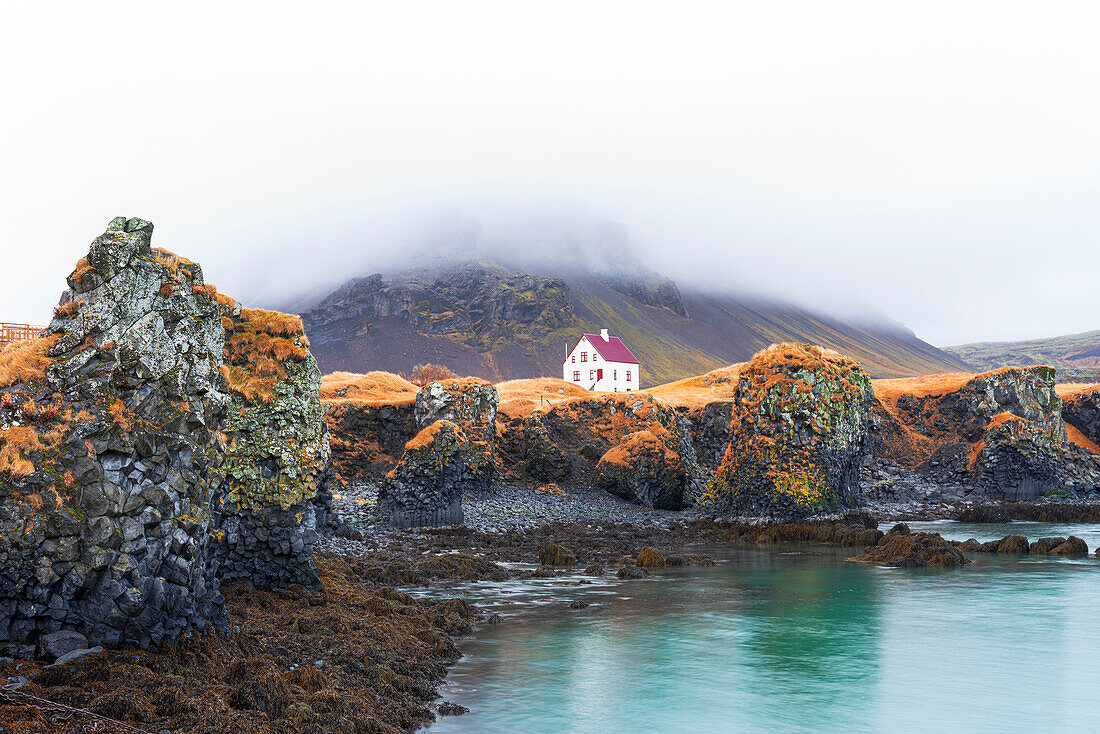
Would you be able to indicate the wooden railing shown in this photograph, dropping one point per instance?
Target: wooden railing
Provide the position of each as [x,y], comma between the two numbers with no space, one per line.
[11,333]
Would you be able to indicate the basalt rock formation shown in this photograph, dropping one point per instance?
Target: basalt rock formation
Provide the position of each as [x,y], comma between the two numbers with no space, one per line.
[1000,432]
[1082,411]
[471,404]
[275,496]
[799,426]
[110,454]
[454,452]
[117,429]
[425,488]
[646,469]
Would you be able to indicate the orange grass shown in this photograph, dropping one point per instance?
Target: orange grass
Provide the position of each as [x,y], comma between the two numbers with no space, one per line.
[26,360]
[15,443]
[1075,436]
[68,310]
[373,388]
[270,322]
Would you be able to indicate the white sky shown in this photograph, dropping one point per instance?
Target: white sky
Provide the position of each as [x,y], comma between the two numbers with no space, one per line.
[939,160]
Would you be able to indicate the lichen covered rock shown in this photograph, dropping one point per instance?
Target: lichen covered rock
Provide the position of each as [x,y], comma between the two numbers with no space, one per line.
[471,404]
[1082,411]
[109,452]
[370,418]
[425,488]
[275,496]
[798,431]
[998,432]
[645,468]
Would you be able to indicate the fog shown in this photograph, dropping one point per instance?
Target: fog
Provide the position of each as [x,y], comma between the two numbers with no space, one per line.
[936,162]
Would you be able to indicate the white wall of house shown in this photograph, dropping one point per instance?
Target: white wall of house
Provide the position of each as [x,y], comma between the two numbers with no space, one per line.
[585,367]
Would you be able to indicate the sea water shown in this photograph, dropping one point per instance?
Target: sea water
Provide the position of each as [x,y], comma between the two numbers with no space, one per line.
[795,639]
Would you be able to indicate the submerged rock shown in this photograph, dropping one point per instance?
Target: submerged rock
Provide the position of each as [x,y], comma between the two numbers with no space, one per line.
[650,557]
[913,550]
[799,424]
[553,554]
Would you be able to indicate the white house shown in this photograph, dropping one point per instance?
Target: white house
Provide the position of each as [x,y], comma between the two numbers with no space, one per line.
[601,362]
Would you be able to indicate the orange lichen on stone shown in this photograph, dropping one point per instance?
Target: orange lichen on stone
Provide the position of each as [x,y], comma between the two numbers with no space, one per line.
[373,388]
[27,360]
[167,289]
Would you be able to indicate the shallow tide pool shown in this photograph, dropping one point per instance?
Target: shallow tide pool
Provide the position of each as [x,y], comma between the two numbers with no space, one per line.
[795,640]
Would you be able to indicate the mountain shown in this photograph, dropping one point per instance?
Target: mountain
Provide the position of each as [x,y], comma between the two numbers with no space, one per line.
[503,322]
[1076,356]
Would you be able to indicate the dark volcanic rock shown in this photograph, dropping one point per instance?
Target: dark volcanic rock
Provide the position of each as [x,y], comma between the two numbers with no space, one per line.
[800,420]
[275,497]
[646,469]
[913,550]
[425,488]
[1082,411]
[111,419]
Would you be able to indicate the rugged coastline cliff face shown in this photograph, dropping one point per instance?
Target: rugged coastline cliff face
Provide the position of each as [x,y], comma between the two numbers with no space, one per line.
[999,432]
[1081,409]
[116,434]
[798,428]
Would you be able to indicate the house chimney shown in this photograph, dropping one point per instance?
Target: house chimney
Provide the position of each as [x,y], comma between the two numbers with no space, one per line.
[603,334]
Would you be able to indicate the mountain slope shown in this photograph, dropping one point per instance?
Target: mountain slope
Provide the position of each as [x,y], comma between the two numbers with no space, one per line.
[503,323]
[1076,356]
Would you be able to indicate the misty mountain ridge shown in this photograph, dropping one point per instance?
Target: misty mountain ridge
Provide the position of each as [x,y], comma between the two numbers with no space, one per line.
[511,317]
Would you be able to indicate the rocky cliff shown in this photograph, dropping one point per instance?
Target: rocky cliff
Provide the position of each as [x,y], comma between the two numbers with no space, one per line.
[111,454]
[1000,432]
[117,429]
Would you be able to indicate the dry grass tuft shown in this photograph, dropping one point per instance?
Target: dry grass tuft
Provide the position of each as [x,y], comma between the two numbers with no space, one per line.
[24,361]
[270,322]
[373,388]
[68,310]
[425,374]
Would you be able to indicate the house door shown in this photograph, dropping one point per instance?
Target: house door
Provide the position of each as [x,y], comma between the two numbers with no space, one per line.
[599,375]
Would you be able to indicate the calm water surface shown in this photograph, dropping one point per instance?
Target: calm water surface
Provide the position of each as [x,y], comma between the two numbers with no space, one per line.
[797,641]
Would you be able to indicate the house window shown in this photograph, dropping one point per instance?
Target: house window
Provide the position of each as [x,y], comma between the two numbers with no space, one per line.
[628,375]
[591,374]
[574,358]
[584,356]
[614,374]
[576,375]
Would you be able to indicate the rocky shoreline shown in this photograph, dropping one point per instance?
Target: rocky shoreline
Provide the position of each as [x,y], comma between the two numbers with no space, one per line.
[199,533]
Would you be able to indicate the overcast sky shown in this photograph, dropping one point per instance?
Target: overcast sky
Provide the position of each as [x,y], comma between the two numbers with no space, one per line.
[937,160]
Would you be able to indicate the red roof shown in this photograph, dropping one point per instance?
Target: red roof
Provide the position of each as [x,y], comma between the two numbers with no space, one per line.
[612,350]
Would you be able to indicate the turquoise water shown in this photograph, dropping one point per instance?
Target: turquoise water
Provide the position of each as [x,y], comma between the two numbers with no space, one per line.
[795,641]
